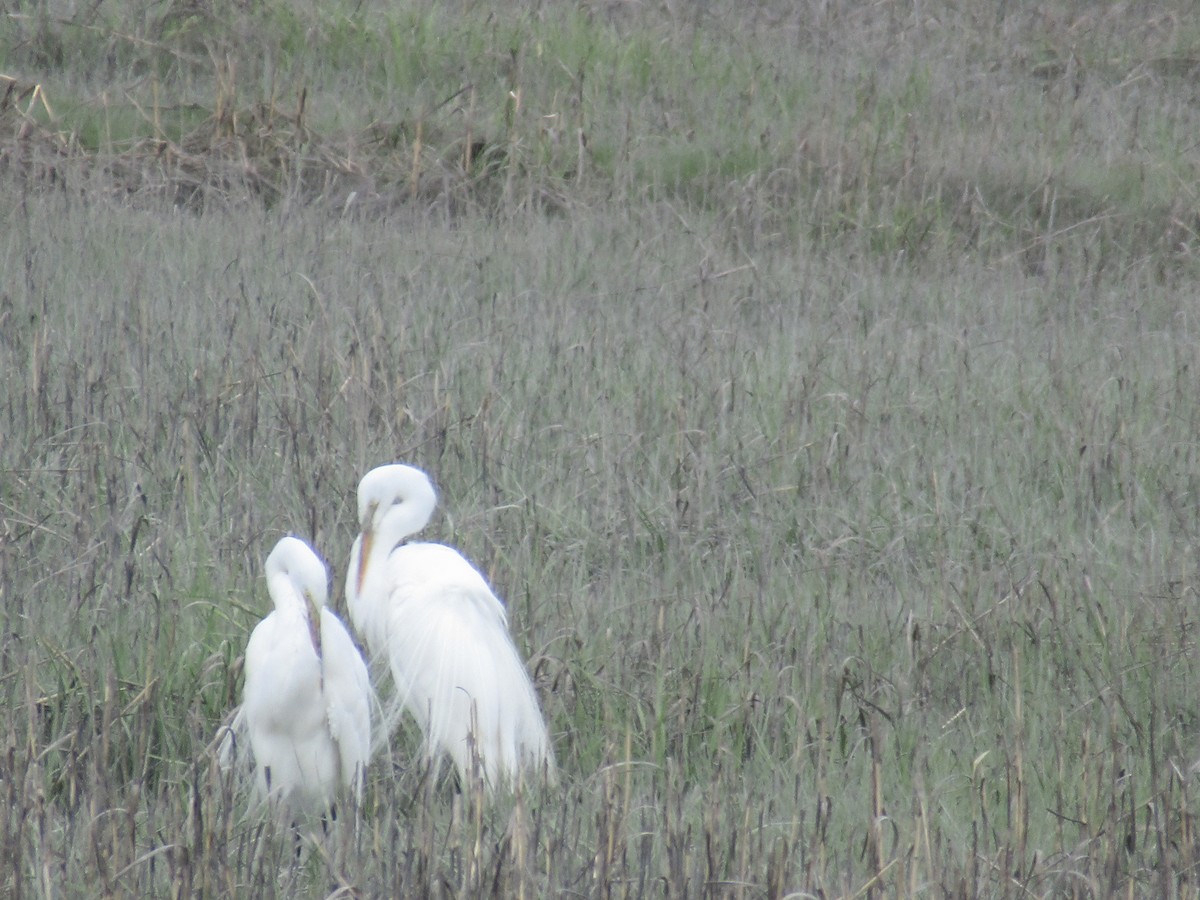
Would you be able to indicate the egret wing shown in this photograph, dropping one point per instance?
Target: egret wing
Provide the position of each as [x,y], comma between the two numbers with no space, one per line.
[348,699]
[456,668]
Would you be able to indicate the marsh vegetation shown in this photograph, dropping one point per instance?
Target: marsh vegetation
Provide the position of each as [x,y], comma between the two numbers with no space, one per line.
[817,383]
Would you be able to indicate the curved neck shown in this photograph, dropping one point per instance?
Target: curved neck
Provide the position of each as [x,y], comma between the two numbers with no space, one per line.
[284,593]
[402,521]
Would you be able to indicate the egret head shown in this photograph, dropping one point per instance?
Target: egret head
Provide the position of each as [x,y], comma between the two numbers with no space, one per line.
[295,561]
[394,501]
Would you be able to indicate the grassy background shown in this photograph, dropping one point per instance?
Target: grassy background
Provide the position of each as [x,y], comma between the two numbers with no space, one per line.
[816,382]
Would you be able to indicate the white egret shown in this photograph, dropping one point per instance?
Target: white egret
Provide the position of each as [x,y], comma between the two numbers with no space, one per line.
[306,702]
[432,616]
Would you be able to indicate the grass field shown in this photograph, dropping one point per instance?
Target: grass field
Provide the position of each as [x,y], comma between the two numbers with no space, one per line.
[816,382]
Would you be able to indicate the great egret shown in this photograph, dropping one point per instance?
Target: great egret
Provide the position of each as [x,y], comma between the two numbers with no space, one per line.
[306,703]
[431,615]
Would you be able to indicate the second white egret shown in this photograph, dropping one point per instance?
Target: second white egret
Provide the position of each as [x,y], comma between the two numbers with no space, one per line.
[444,634]
[306,702]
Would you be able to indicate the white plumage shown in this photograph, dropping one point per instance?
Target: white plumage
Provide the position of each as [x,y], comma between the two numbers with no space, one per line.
[431,615]
[306,703]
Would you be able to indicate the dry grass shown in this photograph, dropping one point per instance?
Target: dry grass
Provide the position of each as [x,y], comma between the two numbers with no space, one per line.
[824,410]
